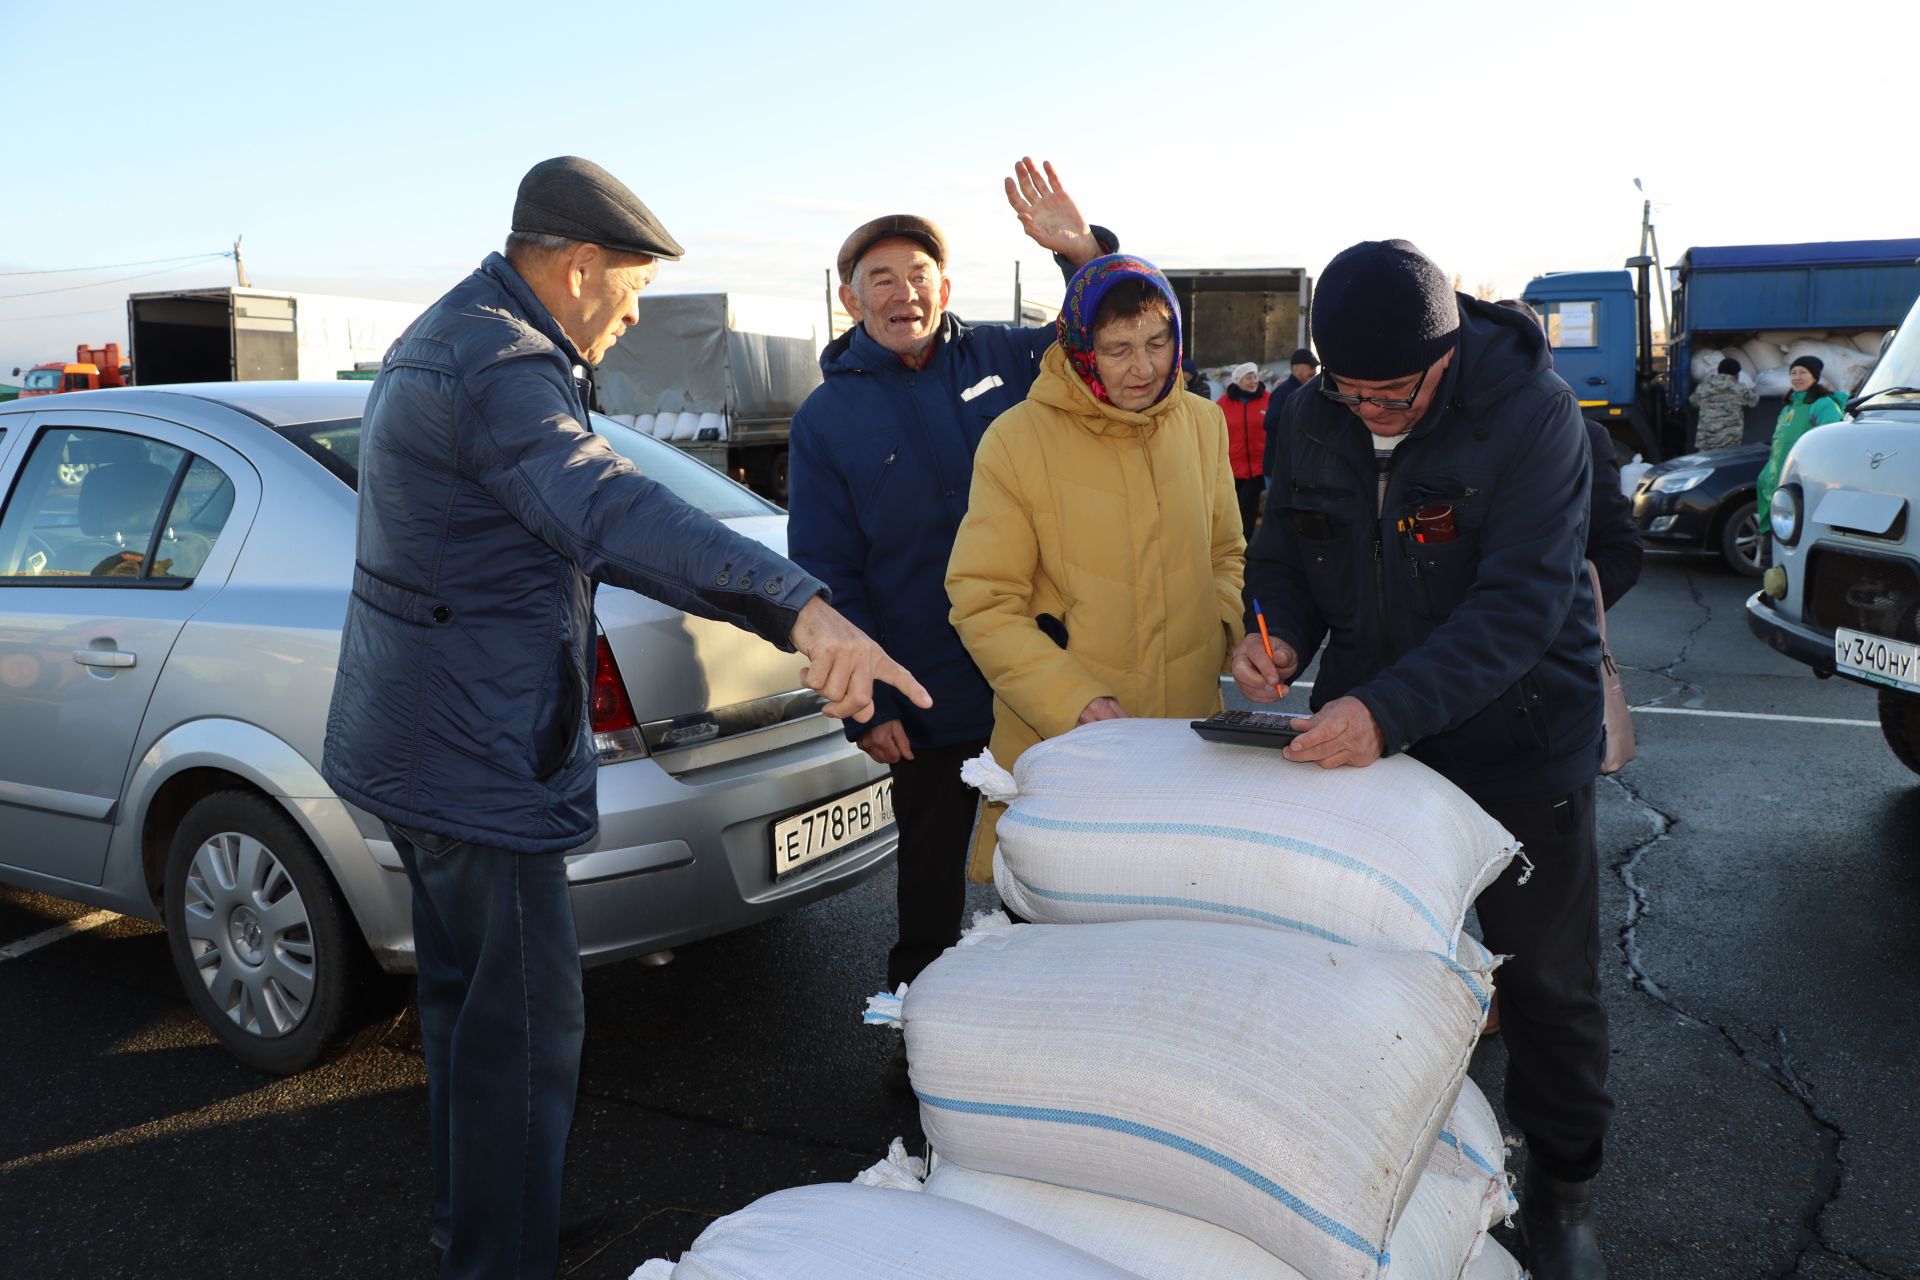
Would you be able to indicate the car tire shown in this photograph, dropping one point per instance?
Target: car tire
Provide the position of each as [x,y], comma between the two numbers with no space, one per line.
[777,477]
[1900,723]
[1741,542]
[260,938]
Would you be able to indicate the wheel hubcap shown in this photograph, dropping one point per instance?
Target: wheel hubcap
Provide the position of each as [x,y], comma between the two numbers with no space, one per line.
[1746,541]
[248,933]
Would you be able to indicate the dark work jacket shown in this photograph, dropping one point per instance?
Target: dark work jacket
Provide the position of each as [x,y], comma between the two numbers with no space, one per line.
[1275,403]
[1613,543]
[1480,655]
[488,510]
[880,466]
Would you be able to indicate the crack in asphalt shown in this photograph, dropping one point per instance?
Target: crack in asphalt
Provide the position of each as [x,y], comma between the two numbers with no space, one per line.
[1778,1066]
[1696,694]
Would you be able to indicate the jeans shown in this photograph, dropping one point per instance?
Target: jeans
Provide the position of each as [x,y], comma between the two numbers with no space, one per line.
[502,1018]
[935,813]
[1551,1018]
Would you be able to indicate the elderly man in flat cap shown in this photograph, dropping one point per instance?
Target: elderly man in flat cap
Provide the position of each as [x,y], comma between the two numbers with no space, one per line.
[882,459]
[488,511]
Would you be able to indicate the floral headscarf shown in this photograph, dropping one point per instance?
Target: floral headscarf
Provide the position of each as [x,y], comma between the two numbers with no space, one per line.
[1084,292]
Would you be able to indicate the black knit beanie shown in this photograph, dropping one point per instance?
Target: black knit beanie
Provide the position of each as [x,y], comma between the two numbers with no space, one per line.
[1812,364]
[1383,310]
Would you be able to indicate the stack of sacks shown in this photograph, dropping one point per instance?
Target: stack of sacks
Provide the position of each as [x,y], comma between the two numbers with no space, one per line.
[1766,359]
[1242,1052]
[1245,1000]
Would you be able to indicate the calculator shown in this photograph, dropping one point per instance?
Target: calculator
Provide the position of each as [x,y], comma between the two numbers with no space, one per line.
[1249,728]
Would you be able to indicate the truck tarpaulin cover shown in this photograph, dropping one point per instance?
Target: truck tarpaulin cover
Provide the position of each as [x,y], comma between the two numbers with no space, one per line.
[714,353]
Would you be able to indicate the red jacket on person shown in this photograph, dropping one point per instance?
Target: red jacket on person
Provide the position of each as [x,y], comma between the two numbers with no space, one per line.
[1246,431]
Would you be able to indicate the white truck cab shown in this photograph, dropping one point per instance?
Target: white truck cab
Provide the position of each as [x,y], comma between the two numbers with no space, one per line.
[1843,595]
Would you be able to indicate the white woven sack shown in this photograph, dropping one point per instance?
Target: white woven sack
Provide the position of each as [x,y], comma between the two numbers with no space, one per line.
[1133,819]
[1762,355]
[1282,1087]
[839,1231]
[1454,1204]
[1493,1263]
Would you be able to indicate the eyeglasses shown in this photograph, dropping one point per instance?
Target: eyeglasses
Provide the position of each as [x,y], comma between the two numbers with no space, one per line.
[1384,402]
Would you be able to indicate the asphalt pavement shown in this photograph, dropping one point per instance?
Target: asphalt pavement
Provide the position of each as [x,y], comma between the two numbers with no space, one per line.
[1760,905]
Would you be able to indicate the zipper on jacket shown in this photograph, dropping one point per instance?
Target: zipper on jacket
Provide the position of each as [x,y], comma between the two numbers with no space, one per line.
[880,481]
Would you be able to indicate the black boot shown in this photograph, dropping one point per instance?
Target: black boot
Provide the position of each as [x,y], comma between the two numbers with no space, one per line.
[1557,1220]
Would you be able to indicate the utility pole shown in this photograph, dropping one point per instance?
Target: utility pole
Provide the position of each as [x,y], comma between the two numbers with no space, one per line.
[1019,311]
[240,265]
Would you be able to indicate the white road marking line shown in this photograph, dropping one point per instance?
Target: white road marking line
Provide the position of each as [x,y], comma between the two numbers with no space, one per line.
[80,924]
[1749,715]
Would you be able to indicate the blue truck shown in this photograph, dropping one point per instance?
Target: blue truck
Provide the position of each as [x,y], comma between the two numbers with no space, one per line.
[1600,324]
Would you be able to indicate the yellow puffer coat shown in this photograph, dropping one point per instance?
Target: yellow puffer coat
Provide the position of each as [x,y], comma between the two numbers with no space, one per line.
[1123,526]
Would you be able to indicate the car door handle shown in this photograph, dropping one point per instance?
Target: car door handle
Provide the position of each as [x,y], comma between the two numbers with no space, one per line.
[1596,382]
[103,657]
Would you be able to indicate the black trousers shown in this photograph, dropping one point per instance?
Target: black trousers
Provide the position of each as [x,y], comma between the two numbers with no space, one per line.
[934,811]
[1248,491]
[1551,1017]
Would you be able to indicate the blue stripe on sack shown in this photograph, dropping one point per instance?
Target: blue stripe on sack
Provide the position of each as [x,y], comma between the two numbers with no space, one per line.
[1466,1149]
[1465,975]
[1236,833]
[1187,1146]
[1193,904]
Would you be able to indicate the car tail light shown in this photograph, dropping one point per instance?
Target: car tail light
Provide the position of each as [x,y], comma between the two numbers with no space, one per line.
[616,730]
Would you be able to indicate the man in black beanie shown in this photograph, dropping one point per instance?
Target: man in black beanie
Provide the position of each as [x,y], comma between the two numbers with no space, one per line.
[488,512]
[1428,511]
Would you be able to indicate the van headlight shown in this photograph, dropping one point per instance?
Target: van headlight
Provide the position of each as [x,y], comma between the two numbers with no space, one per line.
[1784,514]
[1680,481]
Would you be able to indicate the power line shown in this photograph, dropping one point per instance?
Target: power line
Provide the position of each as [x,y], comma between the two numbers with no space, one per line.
[114,266]
[38,293]
[58,315]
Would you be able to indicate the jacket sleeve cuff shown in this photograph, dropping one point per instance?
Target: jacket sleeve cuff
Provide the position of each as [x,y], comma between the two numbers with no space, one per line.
[1392,734]
[1108,242]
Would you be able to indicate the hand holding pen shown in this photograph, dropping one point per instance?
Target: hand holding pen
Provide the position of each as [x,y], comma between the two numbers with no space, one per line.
[1262,668]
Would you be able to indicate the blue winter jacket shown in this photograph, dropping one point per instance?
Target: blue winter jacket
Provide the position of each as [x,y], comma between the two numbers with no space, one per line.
[1478,655]
[488,511]
[880,465]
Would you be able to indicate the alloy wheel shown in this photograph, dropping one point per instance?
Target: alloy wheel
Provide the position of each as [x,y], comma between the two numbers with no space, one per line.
[248,934]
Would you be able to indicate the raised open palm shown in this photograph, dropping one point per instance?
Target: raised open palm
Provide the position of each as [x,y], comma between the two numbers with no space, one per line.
[1047,212]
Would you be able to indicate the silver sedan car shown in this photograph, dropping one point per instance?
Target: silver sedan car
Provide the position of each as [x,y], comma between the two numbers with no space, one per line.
[174,571]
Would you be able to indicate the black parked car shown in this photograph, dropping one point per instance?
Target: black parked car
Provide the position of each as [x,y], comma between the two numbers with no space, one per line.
[1704,502]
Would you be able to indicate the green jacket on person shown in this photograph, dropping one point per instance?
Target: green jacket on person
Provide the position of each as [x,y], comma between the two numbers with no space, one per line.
[1797,417]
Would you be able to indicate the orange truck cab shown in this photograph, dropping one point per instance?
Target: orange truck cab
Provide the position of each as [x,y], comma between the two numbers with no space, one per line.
[90,369]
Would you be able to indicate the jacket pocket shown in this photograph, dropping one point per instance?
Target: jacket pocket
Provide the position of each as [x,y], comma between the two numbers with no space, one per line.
[1443,573]
[879,481]
[558,727]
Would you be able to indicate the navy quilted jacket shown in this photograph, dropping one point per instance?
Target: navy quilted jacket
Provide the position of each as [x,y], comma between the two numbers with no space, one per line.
[488,511]
[1478,655]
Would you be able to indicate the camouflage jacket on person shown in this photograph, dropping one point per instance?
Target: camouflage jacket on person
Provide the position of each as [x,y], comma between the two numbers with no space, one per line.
[1723,401]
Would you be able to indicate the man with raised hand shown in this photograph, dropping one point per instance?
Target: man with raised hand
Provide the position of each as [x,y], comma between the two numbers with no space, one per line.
[882,461]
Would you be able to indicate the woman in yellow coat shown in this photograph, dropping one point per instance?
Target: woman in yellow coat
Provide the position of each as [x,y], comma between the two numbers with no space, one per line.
[1097,572]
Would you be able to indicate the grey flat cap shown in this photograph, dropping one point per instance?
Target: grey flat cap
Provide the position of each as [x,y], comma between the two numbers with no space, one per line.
[575,198]
[869,234]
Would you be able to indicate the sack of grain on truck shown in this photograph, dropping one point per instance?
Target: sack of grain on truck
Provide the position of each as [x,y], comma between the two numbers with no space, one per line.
[1138,819]
[840,1231]
[1285,1088]
[1460,1195]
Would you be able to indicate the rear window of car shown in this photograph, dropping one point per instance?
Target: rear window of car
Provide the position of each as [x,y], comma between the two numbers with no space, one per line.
[336,446]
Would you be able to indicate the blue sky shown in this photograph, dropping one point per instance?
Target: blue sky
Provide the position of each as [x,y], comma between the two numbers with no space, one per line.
[374,149]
